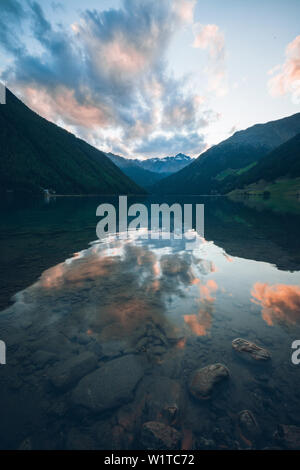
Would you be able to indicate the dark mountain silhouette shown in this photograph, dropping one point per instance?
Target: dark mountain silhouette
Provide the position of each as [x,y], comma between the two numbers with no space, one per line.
[283,162]
[135,171]
[234,156]
[148,172]
[36,154]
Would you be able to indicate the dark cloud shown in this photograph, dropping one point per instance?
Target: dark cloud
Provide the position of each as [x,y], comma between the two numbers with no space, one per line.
[106,76]
[11,16]
[190,143]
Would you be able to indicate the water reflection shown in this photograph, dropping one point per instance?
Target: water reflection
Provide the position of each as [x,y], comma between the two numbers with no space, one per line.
[114,287]
[201,322]
[166,312]
[280,303]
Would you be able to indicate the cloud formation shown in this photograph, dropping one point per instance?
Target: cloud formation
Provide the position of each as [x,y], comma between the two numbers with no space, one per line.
[210,38]
[287,80]
[106,77]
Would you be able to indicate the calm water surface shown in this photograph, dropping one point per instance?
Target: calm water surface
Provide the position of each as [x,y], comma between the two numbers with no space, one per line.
[104,335]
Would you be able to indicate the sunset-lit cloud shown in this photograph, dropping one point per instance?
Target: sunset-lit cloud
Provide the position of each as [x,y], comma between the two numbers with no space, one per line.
[106,77]
[185,9]
[63,103]
[287,76]
[280,302]
[144,78]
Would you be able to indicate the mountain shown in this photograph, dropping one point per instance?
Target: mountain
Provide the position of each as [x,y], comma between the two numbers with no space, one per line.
[134,170]
[234,156]
[36,154]
[167,164]
[283,163]
[148,172]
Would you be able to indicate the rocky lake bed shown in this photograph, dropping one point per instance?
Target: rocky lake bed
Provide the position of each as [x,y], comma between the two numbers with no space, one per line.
[124,346]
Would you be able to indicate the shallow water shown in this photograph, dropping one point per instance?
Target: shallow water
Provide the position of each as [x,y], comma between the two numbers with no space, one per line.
[147,313]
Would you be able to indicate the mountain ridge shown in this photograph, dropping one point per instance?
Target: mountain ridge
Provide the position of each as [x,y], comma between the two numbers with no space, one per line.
[282,162]
[149,171]
[37,154]
[234,154]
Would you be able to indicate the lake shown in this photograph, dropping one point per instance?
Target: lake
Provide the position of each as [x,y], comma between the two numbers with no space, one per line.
[104,336]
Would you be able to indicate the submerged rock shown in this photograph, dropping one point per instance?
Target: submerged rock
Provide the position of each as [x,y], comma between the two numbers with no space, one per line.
[42,358]
[170,413]
[78,439]
[289,436]
[26,444]
[109,386]
[256,352]
[250,430]
[203,380]
[113,349]
[67,373]
[205,444]
[161,399]
[159,436]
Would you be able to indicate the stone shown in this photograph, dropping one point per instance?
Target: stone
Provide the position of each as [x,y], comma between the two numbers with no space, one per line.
[163,398]
[159,436]
[206,444]
[157,350]
[170,413]
[288,436]
[203,380]
[26,444]
[250,430]
[67,373]
[173,334]
[113,349]
[42,358]
[59,408]
[109,386]
[79,440]
[256,352]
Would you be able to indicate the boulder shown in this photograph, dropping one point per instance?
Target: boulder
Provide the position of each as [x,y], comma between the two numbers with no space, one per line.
[109,386]
[159,436]
[42,358]
[26,444]
[250,430]
[67,373]
[163,399]
[288,436]
[247,347]
[78,439]
[203,380]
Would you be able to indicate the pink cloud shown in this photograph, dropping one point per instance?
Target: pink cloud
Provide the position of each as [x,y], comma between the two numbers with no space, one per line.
[210,37]
[185,10]
[64,103]
[287,81]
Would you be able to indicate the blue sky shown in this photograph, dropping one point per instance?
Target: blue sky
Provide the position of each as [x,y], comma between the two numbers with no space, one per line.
[145,78]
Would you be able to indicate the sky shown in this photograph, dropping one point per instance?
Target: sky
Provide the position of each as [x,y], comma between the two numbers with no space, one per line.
[149,78]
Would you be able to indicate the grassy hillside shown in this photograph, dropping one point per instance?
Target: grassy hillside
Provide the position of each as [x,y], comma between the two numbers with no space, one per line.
[37,154]
[212,171]
[283,162]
